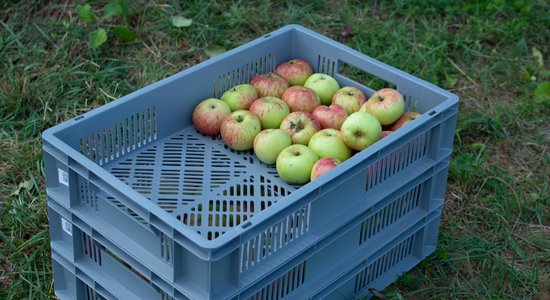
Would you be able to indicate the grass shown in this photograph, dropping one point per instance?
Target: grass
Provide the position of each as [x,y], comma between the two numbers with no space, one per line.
[494,239]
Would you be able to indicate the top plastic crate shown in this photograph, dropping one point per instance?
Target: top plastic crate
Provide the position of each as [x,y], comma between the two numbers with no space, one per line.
[210,220]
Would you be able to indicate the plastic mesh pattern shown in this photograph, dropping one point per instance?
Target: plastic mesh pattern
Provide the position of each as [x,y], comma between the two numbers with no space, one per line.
[383,264]
[201,182]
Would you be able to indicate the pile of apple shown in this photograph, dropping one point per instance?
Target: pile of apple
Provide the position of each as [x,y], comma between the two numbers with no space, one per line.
[302,122]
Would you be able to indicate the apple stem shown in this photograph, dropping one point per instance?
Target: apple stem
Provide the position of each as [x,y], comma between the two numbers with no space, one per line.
[240,118]
[380,98]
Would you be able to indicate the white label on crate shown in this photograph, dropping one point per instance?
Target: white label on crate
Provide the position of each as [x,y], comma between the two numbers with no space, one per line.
[67,226]
[63,177]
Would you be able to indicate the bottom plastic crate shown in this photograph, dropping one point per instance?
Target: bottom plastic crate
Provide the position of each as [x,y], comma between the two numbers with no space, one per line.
[371,249]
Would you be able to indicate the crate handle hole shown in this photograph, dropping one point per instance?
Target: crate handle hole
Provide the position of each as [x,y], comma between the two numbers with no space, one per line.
[432,113]
[266,36]
[79,117]
[246,225]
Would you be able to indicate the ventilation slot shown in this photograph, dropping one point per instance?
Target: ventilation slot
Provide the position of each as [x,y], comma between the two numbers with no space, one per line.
[282,286]
[91,249]
[383,264]
[243,74]
[274,238]
[91,294]
[325,65]
[131,133]
[87,193]
[388,215]
[396,161]
[166,247]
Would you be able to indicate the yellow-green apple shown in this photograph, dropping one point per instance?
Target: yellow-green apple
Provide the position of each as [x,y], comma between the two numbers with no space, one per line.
[324,85]
[332,116]
[294,164]
[361,130]
[269,143]
[301,98]
[270,111]
[270,84]
[322,166]
[301,126]
[404,119]
[239,129]
[208,116]
[350,98]
[385,133]
[329,143]
[295,71]
[387,105]
[240,97]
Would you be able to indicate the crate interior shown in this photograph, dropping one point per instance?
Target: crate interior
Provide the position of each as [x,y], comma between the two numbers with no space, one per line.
[147,140]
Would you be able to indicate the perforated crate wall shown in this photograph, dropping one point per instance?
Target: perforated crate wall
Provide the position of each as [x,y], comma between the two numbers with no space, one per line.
[133,173]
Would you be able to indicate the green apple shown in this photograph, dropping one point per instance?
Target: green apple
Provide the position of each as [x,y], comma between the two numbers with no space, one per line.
[361,130]
[294,164]
[329,143]
[387,105]
[350,98]
[270,111]
[240,97]
[269,143]
[324,85]
[239,129]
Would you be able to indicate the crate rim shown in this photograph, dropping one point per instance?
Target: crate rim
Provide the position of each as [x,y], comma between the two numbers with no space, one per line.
[308,191]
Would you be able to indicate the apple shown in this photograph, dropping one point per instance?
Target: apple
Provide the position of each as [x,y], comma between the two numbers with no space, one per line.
[324,85]
[270,84]
[387,105]
[208,116]
[239,129]
[269,143]
[404,119]
[301,98]
[295,71]
[270,111]
[349,98]
[385,133]
[329,143]
[240,97]
[294,164]
[361,130]
[332,116]
[322,166]
[301,126]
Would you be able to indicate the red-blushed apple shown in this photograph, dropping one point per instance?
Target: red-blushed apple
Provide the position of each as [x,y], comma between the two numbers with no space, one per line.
[269,143]
[350,98]
[240,97]
[239,129]
[270,111]
[332,116]
[387,105]
[295,71]
[329,143]
[361,130]
[322,166]
[404,119]
[301,126]
[270,84]
[208,116]
[301,98]
[324,85]
[294,164]
[385,133]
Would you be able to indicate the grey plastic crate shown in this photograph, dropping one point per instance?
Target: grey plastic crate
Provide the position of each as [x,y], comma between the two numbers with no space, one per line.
[197,220]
